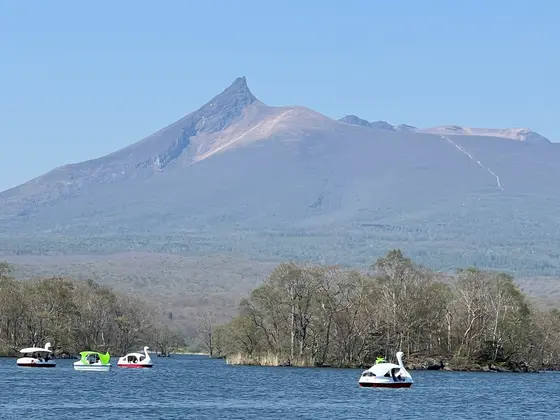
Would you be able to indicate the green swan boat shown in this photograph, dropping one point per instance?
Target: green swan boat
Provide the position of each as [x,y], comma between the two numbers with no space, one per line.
[95,361]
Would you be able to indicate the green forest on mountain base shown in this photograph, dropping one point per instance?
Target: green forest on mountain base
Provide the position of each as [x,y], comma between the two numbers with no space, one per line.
[436,248]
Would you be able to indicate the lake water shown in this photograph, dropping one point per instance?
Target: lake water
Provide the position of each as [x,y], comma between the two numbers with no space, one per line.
[194,387]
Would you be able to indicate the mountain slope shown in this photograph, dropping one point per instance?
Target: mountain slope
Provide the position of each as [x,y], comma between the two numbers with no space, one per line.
[287,182]
[233,118]
[521,134]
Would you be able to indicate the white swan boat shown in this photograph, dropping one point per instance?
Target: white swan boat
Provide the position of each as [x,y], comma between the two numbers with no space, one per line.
[94,361]
[36,357]
[386,375]
[136,360]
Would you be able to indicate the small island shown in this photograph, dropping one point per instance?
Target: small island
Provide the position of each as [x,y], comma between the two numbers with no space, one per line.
[326,316]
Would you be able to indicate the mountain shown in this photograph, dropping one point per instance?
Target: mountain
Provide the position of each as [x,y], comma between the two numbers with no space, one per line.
[239,177]
[521,134]
[382,125]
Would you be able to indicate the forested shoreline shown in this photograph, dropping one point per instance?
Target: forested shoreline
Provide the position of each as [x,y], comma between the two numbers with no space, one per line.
[76,316]
[305,315]
[311,315]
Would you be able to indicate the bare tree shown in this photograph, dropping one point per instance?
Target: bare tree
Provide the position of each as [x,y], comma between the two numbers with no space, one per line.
[206,323]
[74,316]
[310,314]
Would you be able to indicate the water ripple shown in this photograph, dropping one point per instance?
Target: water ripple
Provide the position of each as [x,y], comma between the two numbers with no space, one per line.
[191,387]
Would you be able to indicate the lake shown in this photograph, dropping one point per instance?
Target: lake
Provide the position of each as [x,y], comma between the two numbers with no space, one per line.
[195,387]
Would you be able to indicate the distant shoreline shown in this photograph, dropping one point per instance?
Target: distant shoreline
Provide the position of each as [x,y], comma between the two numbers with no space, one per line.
[446,369]
[413,365]
[474,368]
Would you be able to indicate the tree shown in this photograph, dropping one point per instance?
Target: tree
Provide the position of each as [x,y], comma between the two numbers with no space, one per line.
[75,316]
[205,324]
[324,315]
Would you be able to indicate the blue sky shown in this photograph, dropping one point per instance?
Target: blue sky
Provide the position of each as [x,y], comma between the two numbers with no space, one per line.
[82,79]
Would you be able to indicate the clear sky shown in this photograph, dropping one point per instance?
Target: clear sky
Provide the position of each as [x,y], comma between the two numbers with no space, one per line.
[79,80]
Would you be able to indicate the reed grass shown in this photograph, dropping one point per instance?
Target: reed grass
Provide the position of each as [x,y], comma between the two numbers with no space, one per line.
[266,359]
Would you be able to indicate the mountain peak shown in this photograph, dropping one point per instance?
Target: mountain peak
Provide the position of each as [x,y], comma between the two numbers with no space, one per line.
[355,120]
[240,84]
[223,108]
[237,93]
[226,106]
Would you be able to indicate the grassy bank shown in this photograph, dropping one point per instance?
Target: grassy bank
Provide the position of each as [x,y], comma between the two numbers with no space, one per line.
[266,359]
[190,353]
[428,363]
